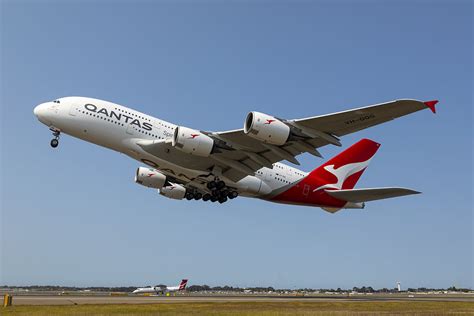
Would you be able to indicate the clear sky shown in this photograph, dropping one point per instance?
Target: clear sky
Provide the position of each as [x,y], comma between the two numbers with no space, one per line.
[74,216]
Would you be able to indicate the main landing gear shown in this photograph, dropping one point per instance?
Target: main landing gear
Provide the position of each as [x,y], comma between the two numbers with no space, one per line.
[196,196]
[55,141]
[219,193]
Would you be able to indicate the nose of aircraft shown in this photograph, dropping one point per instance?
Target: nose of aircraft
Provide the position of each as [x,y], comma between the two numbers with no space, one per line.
[41,111]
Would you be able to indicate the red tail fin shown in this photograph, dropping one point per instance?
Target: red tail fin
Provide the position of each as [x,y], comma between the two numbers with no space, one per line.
[182,285]
[344,170]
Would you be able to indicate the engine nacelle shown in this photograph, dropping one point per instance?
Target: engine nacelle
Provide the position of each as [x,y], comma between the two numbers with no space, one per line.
[192,142]
[266,128]
[150,178]
[173,191]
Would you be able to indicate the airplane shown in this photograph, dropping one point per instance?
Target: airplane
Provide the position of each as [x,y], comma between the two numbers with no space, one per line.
[162,289]
[184,163]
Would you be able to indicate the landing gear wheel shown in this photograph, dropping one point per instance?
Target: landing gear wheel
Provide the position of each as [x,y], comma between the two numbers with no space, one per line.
[189,196]
[213,198]
[222,200]
[224,193]
[211,185]
[233,195]
[54,142]
[220,185]
[197,196]
[206,197]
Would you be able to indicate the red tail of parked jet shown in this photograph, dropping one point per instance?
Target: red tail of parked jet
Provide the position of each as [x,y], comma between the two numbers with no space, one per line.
[182,285]
[331,186]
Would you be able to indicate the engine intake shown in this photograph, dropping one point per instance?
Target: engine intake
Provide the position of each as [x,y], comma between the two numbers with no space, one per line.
[192,142]
[150,178]
[173,191]
[266,128]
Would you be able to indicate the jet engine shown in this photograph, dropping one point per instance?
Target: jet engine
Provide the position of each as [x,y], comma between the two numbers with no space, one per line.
[266,128]
[174,191]
[192,142]
[150,178]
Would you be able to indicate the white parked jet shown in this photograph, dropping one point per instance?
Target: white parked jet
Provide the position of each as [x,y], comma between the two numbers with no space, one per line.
[193,164]
[162,289]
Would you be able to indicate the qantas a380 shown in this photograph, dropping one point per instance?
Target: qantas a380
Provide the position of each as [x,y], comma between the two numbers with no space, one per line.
[184,163]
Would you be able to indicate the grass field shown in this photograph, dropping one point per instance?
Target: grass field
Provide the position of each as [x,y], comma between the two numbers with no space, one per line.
[254,308]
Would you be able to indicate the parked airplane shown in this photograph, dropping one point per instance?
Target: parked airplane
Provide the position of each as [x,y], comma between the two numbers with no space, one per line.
[216,166]
[162,289]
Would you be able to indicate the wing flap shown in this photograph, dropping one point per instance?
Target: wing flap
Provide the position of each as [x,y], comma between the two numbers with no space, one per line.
[371,194]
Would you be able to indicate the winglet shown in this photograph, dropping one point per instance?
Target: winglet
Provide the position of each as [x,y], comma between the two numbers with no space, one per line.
[431,105]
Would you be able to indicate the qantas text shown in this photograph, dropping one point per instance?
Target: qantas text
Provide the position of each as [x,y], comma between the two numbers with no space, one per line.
[118,116]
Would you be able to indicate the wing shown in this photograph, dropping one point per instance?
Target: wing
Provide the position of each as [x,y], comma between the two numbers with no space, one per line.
[314,132]
[365,195]
[347,122]
[239,154]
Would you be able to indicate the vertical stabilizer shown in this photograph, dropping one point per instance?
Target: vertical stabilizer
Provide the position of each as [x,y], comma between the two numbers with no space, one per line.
[344,170]
[182,285]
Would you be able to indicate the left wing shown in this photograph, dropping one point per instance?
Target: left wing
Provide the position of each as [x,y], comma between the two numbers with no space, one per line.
[308,134]
[265,139]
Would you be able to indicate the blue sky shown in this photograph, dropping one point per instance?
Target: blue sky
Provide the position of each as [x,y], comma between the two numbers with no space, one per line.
[74,216]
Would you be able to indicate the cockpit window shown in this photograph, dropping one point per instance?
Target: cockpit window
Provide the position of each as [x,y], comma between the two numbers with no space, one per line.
[56,101]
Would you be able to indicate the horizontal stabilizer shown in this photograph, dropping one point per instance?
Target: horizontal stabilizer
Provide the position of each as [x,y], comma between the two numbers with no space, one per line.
[372,194]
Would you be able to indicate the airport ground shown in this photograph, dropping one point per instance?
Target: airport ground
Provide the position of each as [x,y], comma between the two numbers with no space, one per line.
[90,304]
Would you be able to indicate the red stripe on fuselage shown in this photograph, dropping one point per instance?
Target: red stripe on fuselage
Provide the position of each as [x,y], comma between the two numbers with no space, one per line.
[302,193]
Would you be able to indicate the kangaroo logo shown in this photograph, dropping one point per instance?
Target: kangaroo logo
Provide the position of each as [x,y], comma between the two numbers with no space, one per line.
[269,122]
[342,173]
[193,136]
[183,284]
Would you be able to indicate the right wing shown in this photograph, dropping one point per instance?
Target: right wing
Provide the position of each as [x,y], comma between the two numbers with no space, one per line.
[365,195]
[240,154]
[347,122]
[312,133]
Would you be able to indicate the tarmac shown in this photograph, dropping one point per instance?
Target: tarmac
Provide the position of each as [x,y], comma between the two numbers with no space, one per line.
[94,299]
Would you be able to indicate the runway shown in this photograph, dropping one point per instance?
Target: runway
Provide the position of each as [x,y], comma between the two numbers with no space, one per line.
[82,299]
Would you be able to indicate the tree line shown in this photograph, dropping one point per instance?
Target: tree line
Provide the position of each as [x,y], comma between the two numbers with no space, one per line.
[226,288]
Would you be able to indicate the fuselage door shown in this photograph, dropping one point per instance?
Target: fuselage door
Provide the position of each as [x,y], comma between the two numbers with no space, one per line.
[306,190]
[268,174]
[72,109]
[130,129]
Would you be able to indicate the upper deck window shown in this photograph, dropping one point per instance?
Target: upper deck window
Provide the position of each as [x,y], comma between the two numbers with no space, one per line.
[56,101]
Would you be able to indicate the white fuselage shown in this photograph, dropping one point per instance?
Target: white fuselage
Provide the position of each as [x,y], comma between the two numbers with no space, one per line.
[156,289]
[121,129]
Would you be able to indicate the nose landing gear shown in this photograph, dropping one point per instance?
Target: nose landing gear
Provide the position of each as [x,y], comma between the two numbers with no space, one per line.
[55,141]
